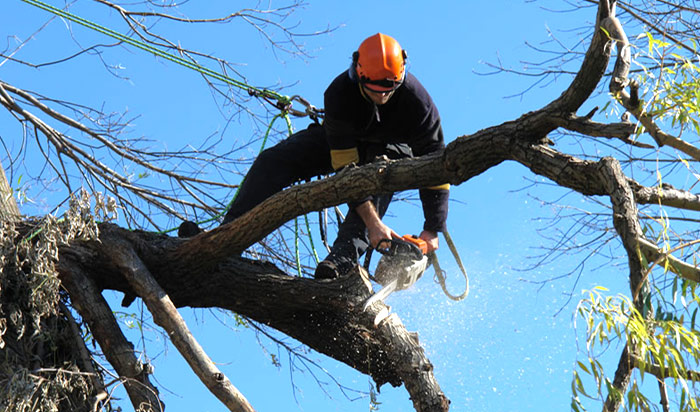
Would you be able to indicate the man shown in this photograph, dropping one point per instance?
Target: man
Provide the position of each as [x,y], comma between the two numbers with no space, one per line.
[375,108]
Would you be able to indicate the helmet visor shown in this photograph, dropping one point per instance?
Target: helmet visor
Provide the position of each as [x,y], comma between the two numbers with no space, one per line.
[381,86]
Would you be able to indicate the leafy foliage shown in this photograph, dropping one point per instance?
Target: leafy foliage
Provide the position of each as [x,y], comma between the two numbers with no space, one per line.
[666,346]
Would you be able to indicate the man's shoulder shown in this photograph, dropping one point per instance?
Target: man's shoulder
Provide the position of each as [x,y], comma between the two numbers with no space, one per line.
[341,82]
[415,98]
[343,96]
[413,85]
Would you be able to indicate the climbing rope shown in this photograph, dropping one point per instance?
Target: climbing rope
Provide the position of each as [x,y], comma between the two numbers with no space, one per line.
[154,50]
[279,101]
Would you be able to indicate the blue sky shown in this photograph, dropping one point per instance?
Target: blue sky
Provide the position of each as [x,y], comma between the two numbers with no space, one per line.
[511,344]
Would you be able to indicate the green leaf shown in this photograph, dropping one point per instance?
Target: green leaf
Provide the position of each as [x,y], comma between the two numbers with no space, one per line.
[583,367]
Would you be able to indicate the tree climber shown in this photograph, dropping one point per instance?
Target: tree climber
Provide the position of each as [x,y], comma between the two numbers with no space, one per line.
[375,108]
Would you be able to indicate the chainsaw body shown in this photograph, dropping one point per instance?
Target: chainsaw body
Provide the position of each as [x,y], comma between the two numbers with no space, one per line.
[404,260]
[400,266]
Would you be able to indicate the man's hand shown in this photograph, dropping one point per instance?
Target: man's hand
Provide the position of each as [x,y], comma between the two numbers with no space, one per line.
[376,229]
[380,232]
[431,238]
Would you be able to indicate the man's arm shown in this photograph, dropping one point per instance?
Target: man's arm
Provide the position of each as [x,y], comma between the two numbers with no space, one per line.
[431,238]
[377,230]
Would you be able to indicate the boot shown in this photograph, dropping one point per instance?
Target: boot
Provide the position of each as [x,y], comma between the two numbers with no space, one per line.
[188,229]
[328,269]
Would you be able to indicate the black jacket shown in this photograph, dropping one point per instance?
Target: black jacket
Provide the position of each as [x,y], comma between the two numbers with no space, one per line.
[353,122]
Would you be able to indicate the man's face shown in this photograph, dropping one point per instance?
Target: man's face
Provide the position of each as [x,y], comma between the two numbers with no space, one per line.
[378,98]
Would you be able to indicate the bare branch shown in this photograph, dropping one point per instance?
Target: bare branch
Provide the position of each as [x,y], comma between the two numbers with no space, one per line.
[166,315]
[666,195]
[653,254]
[87,299]
[585,125]
[632,104]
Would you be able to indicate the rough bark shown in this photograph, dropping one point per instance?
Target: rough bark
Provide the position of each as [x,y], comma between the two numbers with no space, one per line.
[87,299]
[8,206]
[627,226]
[296,306]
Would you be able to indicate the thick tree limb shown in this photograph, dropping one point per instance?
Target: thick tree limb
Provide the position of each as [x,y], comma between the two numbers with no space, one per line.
[619,79]
[298,307]
[206,272]
[295,306]
[593,66]
[626,222]
[84,361]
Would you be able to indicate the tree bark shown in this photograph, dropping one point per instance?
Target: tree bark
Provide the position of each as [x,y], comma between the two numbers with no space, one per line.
[8,206]
[87,299]
[298,307]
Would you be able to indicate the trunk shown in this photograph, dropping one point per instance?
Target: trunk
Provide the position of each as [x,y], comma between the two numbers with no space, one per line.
[8,206]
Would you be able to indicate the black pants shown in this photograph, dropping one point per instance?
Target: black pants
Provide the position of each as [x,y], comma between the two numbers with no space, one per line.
[302,156]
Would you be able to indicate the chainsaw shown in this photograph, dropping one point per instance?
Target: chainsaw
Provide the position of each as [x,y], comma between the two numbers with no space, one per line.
[402,263]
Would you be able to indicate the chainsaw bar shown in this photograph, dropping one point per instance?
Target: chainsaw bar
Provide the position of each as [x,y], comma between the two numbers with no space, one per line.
[381,294]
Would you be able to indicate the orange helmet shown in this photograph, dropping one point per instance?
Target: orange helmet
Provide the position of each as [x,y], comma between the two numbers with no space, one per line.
[380,63]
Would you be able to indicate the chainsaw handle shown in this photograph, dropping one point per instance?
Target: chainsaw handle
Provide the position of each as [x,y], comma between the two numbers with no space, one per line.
[386,250]
[408,244]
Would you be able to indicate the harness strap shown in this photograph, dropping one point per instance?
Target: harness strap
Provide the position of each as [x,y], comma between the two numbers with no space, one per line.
[440,274]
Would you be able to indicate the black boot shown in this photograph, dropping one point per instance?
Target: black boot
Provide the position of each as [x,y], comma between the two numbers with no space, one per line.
[188,229]
[332,268]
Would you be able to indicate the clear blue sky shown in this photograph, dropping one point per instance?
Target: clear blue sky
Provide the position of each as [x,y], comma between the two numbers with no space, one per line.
[502,349]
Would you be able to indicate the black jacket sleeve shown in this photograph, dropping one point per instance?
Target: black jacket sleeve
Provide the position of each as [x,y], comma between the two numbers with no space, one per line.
[427,137]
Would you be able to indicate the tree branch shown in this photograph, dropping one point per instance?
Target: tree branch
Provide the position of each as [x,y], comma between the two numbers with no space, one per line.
[626,222]
[655,369]
[585,125]
[653,254]
[166,315]
[665,195]
[631,103]
[87,299]
[298,307]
